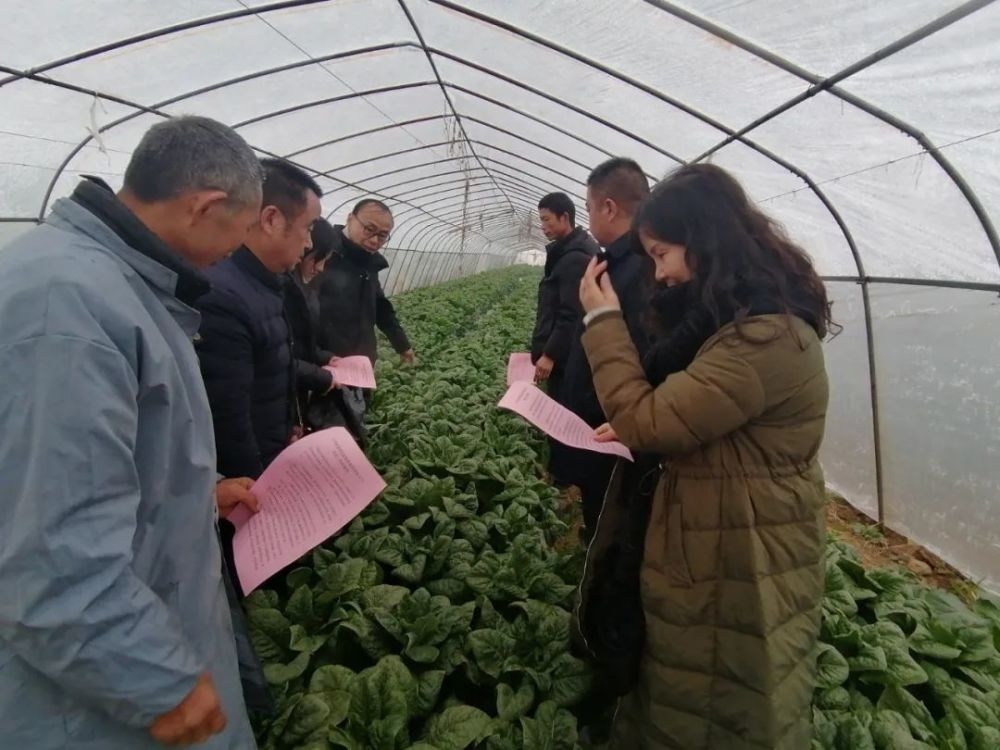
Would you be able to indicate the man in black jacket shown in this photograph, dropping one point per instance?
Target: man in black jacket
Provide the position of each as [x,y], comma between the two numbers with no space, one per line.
[559,316]
[245,344]
[352,303]
[615,189]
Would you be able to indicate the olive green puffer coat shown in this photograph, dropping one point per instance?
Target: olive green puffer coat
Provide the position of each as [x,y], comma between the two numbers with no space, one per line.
[732,577]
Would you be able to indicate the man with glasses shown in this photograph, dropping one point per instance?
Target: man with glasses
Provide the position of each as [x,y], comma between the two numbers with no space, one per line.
[352,302]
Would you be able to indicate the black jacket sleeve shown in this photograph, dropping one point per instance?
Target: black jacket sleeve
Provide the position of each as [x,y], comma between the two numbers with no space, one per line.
[388,323]
[570,312]
[225,351]
[312,376]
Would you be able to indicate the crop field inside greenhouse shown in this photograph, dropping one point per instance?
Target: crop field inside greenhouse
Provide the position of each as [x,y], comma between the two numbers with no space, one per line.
[441,617]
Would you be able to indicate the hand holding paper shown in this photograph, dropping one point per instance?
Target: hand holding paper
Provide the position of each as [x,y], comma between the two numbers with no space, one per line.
[556,420]
[520,369]
[354,371]
[314,488]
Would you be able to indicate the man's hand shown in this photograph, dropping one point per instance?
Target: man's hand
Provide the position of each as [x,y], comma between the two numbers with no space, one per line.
[409,357]
[195,719]
[543,368]
[232,492]
[605,434]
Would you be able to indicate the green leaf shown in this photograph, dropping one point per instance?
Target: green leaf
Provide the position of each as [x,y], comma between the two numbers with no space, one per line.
[895,698]
[970,711]
[891,731]
[302,642]
[868,659]
[490,648]
[901,668]
[552,728]
[458,727]
[332,684]
[832,699]
[277,674]
[262,599]
[512,705]
[935,641]
[300,606]
[299,577]
[387,691]
[985,738]
[853,735]
[831,668]
[571,680]
[453,588]
[413,571]
[428,689]
[948,735]
[382,597]
[309,717]
[270,633]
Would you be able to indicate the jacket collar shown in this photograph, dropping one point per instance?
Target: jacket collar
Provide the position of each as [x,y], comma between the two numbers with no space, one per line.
[355,254]
[620,248]
[246,261]
[575,241]
[146,253]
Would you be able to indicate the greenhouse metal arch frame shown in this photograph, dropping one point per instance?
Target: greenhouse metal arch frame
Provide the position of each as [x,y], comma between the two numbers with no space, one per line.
[485,160]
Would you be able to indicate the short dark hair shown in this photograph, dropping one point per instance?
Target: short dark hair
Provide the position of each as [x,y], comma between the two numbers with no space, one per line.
[193,153]
[285,186]
[622,180]
[323,240]
[560,204]
[365,202]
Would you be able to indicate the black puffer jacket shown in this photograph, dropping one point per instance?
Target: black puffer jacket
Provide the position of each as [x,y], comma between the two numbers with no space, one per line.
[352,302]
[302,313]
[559,317]
[246,360]
[631,275]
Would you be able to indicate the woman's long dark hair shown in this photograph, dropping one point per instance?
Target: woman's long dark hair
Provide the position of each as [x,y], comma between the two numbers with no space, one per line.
[740,259]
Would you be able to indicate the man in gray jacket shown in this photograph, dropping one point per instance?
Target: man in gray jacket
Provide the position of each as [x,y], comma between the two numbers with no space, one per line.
[115,632]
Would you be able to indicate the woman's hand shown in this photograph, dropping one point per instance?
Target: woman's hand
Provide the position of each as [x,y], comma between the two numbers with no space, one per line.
[605,434]
[595,288]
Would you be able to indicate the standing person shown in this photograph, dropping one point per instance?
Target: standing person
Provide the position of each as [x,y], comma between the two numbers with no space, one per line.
[319,403]
[245,343]
[558,316]
[352,302]
[732,576]
[115,632]
[615,189]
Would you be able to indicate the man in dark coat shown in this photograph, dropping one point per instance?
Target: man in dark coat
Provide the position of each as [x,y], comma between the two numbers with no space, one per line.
[245,344]
[352,302]
[615,189]
[558,318]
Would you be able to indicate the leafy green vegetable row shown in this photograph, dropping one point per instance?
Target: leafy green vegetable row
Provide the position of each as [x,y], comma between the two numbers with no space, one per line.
[440,617]
[902,666]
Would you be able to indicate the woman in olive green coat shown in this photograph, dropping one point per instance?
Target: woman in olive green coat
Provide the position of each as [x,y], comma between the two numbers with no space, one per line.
[731,580]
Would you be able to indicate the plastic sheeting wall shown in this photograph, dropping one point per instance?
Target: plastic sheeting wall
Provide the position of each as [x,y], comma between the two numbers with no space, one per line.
[871,130]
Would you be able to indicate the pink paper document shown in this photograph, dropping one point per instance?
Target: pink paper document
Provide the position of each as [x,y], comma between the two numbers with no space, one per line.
[355,371]
[556,420]
[314,488]
[520,369]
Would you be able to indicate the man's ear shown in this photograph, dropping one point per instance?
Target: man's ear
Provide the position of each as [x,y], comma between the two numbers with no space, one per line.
[272,221]
[199,204]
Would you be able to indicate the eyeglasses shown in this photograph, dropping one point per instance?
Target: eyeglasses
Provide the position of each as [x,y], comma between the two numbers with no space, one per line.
[371,230]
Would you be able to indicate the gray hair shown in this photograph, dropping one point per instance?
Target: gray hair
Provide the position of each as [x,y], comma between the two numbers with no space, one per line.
[193,153]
